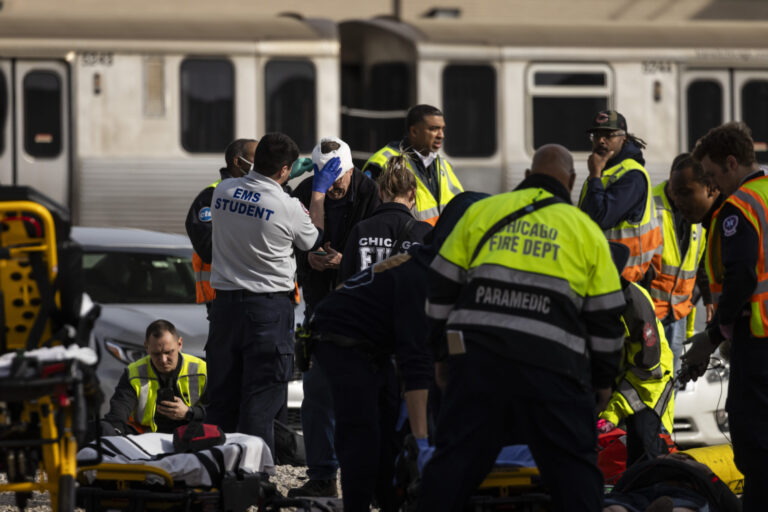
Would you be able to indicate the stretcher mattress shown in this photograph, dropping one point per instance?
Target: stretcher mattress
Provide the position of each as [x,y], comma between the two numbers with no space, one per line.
[201,469]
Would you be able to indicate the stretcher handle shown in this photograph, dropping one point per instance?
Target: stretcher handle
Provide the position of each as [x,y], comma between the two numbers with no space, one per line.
[131,472]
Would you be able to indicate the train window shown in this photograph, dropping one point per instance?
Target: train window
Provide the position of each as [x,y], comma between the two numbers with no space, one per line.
[754,112]
[42,114]
[563,100]
[704,103]
[3,110]
[207,105]
[469,104]
[291,100]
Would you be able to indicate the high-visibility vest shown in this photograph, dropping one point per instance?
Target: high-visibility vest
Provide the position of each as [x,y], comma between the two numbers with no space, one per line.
[204,292]
[645,381]
[752,201]
[644,237]
[428,207]
[675,273]
[190,384]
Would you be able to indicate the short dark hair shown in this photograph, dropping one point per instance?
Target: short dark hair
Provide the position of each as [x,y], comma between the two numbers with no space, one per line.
[684,161]
[275,151]
[329,145]
[418,113]
[158,327]
[235,149]
[733,139]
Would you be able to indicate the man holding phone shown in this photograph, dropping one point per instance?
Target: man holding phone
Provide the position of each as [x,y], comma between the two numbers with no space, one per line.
[161,391]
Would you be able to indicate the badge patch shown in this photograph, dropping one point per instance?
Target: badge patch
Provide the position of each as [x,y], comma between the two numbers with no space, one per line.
[204,214]
[649,335]
[730,224]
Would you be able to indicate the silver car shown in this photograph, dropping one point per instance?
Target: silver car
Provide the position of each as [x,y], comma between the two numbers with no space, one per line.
[138,276]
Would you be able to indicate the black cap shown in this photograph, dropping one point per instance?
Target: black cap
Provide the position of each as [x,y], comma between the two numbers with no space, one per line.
[608,120]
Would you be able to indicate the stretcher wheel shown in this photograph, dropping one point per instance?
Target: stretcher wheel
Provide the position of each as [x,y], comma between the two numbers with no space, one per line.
[66,493]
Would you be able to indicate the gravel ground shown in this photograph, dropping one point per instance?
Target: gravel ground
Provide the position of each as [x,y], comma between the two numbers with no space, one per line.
[286,478]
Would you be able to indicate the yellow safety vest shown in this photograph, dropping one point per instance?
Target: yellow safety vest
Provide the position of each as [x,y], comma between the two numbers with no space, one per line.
[428,208]
[643,238]
[190,384]
[752,200]
[675,273]
[640,388]
[204,292]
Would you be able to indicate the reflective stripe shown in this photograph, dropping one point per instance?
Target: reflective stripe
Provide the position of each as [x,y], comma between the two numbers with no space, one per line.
[608,345]
[143,373]
[519,323]
[666,396]
[672,270]
[193,381]
[640,259]
[760,211]
[604,302]
[521,277]
[438,311]
[448,270]
[443,170]
[672,298]
[631,232]
[203,275]
[762,287]
[428,213]
[630,395]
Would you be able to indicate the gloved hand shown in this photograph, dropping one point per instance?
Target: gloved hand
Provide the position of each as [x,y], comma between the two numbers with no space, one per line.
[325,177]
[425,453]
[300,166]
[696,359]
[604,426]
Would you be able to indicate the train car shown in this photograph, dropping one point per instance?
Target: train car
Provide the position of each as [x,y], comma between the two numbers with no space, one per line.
[508,87]
[125,121]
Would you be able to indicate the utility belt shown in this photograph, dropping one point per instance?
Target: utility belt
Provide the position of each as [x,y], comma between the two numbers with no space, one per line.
[306,341]
[241,294]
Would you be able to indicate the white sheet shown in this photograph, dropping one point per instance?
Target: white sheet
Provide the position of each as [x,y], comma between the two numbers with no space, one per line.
[183,467]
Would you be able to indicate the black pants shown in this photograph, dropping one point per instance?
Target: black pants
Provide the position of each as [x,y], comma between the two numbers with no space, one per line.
[750,449]
[250,360]
[488,402]
[643,441]
[366,405]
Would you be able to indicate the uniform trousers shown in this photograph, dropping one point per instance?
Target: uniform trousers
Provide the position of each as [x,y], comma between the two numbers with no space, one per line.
[250,361]
[643,441]
[491,400]
[366,404]
[749,435]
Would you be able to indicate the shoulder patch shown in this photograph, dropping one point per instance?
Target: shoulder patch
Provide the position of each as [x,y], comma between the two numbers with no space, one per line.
[649,335]
[362,278]
[204,215]
[730,224]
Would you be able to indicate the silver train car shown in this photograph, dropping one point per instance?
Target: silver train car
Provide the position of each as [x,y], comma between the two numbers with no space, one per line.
[125,121]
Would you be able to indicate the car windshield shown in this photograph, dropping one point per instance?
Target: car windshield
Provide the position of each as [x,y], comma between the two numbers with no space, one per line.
[129,277]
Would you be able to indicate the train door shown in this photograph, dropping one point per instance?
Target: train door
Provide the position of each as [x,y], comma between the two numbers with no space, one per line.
[713,97]
[34,126]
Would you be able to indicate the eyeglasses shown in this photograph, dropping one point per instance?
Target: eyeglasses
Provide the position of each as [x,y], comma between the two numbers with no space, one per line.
[605,135]
[250,164]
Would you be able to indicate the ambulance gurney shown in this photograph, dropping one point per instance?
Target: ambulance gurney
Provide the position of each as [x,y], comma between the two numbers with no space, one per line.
[45,397]
[688,483]
[513,484]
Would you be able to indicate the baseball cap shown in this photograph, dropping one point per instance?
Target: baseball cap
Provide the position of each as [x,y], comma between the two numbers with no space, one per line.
[345,155]
[608,120]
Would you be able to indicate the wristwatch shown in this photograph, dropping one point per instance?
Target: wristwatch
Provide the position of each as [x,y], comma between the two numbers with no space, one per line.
[190,414]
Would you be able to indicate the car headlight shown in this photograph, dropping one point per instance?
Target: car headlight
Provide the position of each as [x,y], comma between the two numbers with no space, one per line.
[124,352]
[721,417]
[717,374]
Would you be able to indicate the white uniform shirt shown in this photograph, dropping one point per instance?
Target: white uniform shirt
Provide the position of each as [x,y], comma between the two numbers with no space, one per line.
[255,226]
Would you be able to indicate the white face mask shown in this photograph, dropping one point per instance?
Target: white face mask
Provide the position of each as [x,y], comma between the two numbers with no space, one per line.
[250,164]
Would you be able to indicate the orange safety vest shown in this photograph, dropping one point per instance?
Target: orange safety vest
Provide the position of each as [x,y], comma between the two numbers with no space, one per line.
[203,291]
[675,273]
[752,201]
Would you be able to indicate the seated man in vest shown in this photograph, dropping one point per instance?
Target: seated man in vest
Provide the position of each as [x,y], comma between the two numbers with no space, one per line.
[162,390]
[617,195]
[436,184]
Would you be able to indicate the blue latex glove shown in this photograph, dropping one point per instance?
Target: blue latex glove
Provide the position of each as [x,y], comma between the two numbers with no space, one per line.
[325,177]
[425,453]
[300,166]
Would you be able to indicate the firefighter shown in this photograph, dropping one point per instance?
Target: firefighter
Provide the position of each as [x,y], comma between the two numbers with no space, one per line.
[528,301]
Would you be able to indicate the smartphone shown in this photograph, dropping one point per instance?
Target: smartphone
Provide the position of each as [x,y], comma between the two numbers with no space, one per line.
[165,395]
[320,253]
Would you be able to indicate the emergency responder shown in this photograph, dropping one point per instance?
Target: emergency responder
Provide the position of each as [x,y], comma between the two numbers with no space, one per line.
[238,156]
[250,339]
[143,395]
[436,182]
[351,198]
[529,301]
[391,229]
[617,195]
[644,392]
[736,265]
[676,267]
[356,351]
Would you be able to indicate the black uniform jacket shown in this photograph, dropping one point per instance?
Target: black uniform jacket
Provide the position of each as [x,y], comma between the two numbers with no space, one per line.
[124,401]
[384,306]
[363,201]
[373,239]
[198,223]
